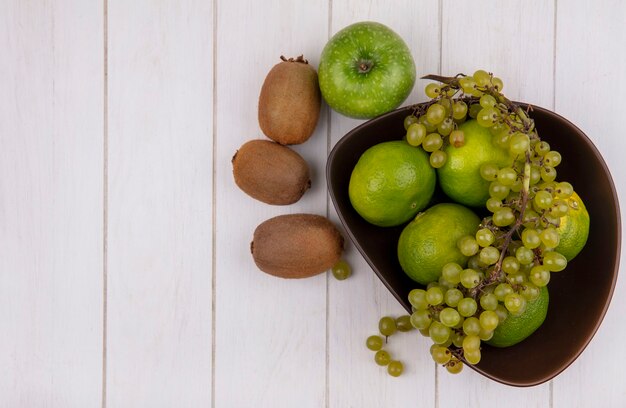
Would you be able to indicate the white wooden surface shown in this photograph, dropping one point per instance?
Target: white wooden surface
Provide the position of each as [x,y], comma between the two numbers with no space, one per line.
[125,274]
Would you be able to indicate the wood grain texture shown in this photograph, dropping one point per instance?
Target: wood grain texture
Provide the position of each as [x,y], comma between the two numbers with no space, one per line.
[356,305]
[507,40]
[51,135]
[159,204]
[590,56]
[270,332]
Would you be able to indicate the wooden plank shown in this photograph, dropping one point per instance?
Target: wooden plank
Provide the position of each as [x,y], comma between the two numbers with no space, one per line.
[515,41]
[51,203]
[356,305]
[590,56]
[160,183]
[270,333]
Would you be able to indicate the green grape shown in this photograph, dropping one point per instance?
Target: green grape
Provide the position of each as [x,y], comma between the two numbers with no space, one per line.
[445,127]
[471,342]
[524,255]
[530,291]
[432,142]
[454,366]
[488,117]
[437,159]
[447,105]
[489,301]
[434,296]
[530,238]
[435,113]
[554,261]
[471,326]
[452,272]
[489,171]
[409,120]
[519,143]
[550,237]
[449,317]
[472,356]
[507,176]
[552,158]
[517,185]
[530,218]
[539,275]
[564,190]
[433,90]
[517,278]
[438,332]
[420,319]
[457,337]
[548,174]
[468,84]
[515,303]
[485,335]
[498,190]
[559,208]
[469,278]
[415,134]
[542,200]
[493,204]
[417,298]
[502,139]
[502,290]
[484,237]
[429,126]
[542,148]
[395,368]
[374,343]
[341,270]
[502,313]
[467,245]
[489,255]
[503,217]
[382,358]
[444,284]
[474,109]
[535,175]
[487,101]
[403,323]
[475,263]
[482,78]
[459,110]
[457,138]
[467,307]
[497,83]
[448,342]
[510,265]
[441,355]
[387,326]
[452,297]
[489,320]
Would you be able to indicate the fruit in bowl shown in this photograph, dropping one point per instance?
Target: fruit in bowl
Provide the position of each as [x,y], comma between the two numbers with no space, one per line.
[496,285]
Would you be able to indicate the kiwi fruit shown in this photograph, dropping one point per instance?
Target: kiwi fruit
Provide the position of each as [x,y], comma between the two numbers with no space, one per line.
[296,245]
[290,100]
[270,172]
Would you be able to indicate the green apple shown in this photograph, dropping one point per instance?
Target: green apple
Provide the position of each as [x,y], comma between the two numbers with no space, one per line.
[366,70]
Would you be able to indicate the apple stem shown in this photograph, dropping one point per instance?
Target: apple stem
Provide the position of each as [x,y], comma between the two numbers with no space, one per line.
[364,66]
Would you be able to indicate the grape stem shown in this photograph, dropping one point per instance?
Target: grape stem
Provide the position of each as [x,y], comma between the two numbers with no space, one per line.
[496,274]
[528,126]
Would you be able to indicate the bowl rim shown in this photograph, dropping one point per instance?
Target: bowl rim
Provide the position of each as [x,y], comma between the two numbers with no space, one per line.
[617,216]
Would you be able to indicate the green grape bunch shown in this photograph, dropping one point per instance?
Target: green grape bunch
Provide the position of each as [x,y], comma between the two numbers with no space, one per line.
[512,255]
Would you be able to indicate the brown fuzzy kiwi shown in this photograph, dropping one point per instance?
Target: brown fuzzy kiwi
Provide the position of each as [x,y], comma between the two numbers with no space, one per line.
[296,245]
[290,100]
[271,173]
